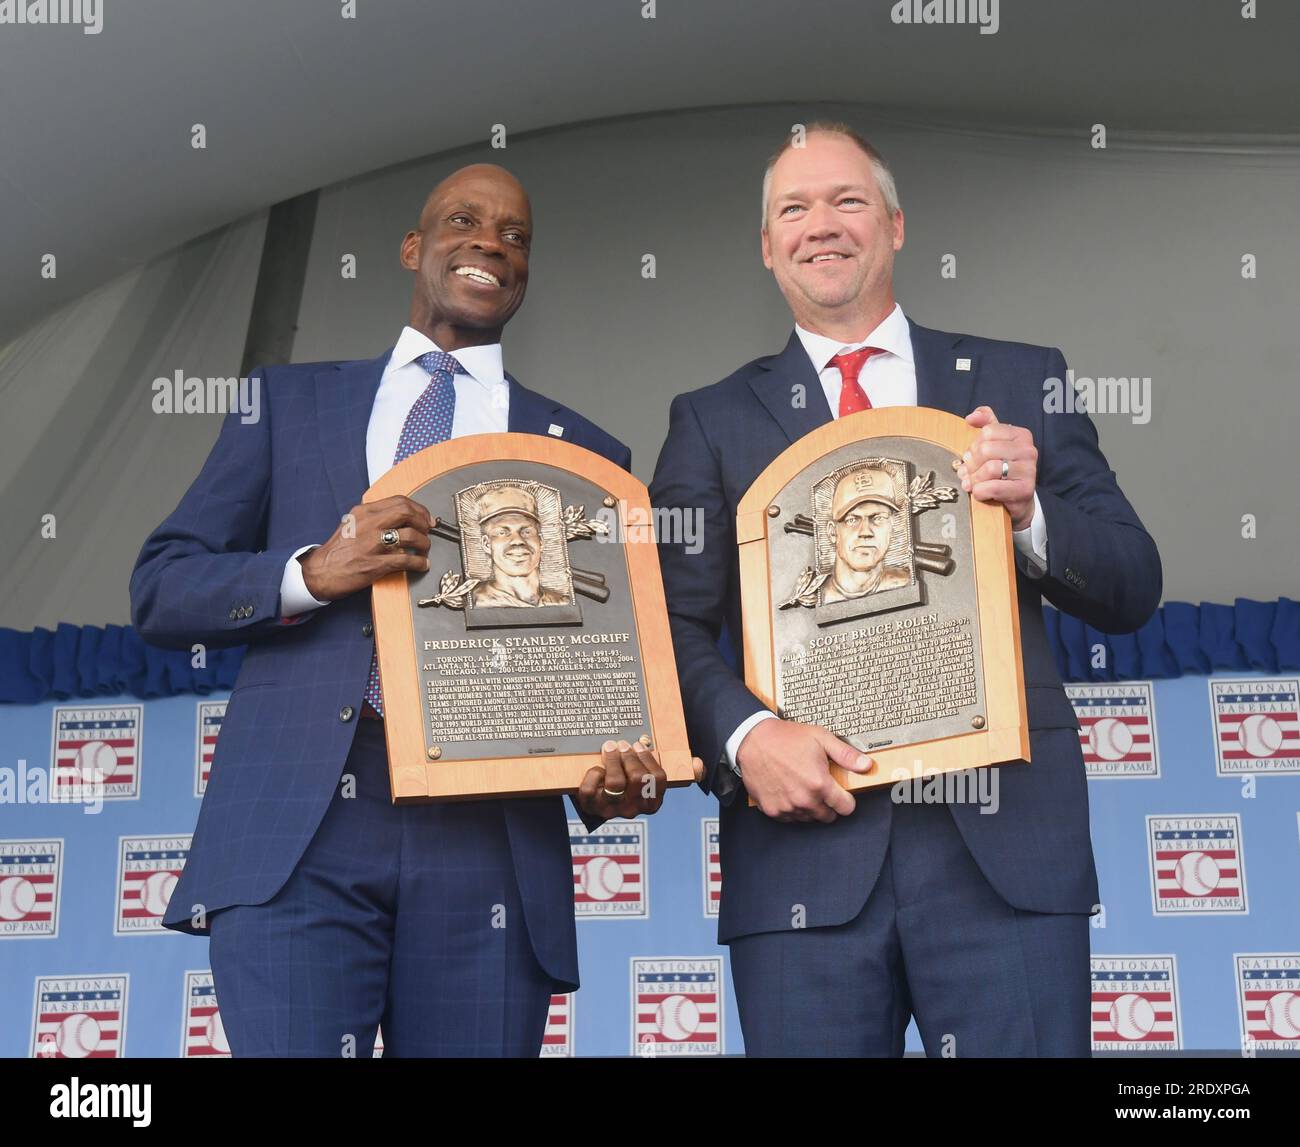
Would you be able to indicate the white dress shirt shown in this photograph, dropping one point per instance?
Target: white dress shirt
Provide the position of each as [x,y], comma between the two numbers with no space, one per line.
[889,379]
[482,407]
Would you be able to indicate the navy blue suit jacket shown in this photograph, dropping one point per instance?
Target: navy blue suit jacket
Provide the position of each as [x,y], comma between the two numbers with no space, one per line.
[211,574]
[1102,567]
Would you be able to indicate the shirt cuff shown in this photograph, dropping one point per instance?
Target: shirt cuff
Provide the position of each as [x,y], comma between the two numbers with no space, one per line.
[295,597]
[733,742]
[1031,542]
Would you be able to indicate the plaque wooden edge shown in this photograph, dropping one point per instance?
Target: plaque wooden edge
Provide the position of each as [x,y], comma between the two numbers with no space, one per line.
[413,777]
[1005,737]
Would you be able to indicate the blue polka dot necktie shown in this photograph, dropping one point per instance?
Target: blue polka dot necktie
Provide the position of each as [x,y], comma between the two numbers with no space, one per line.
[428,422]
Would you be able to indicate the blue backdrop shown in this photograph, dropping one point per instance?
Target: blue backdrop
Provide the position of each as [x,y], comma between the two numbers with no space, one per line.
[1195,791]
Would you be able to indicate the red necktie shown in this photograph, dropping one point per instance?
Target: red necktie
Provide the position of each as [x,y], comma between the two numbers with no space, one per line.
[852,397]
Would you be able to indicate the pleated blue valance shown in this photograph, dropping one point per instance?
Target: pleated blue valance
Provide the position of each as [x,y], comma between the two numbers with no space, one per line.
[1181,639]
[89,661]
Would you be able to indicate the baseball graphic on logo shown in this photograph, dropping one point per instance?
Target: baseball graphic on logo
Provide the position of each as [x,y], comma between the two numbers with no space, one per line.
[1196,874]
[1260,735]
[96,761]
[1111,739]
[1282,1014]
[17,897]
[78,1036]
[156,891]
[602,877]
[677,1018]
[216,1034]
[1132,1016]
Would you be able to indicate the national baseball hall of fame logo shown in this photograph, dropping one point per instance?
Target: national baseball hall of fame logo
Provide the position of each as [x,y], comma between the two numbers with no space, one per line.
[710,830]
[210,716]
[1256,725]
[676,1006]
[202,1034]
[147,871]
[557,1039]
[79,1017]
[1268,1000]
[1116,728]
[609,870]
[96,752]
[31,876]
[1135,1004]
[1197,865]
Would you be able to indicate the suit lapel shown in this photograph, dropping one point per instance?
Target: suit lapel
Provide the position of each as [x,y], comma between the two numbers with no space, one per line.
[939,384]
[530,413]
[345,395]
[790,389]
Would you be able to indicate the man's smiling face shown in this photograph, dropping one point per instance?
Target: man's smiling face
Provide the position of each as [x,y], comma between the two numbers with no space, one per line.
[512,541]
[470,256]
[830,238]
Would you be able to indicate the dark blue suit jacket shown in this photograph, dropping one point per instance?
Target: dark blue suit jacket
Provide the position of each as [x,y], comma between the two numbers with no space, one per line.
[211,574]
[1102,567]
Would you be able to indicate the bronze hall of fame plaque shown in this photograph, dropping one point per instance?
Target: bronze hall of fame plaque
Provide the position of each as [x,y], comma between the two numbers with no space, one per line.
[539,631]
[879,599]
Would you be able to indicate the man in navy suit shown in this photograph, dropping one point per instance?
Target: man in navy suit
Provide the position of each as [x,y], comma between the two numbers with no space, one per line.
[329,909]
[847,915]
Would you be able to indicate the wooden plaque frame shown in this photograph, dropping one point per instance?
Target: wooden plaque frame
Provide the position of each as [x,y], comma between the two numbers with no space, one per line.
[1005,736]
[416,778]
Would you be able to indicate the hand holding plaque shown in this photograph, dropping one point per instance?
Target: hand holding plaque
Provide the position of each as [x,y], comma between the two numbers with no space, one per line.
[880,602]
[536,634]
[355,555]
[628,782]
[786,767]
[1001,466]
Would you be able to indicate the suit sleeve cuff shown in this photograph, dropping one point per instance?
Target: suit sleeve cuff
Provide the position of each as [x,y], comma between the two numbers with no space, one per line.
[295,598]
[1031,542]
[733,742]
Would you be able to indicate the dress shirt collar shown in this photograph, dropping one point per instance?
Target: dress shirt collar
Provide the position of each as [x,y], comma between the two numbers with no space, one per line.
[481,363]
[892,335]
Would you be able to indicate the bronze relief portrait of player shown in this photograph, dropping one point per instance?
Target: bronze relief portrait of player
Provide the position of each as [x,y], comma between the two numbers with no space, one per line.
[513,544]
[860,528]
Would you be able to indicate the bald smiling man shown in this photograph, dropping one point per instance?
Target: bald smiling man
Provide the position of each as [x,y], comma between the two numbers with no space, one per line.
[330,910]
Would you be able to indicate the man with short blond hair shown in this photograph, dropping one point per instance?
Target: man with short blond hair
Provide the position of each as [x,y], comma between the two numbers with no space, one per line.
[846,916]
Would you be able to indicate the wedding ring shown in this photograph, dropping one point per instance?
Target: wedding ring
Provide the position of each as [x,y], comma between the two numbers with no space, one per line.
[1006,468]
[389,538]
